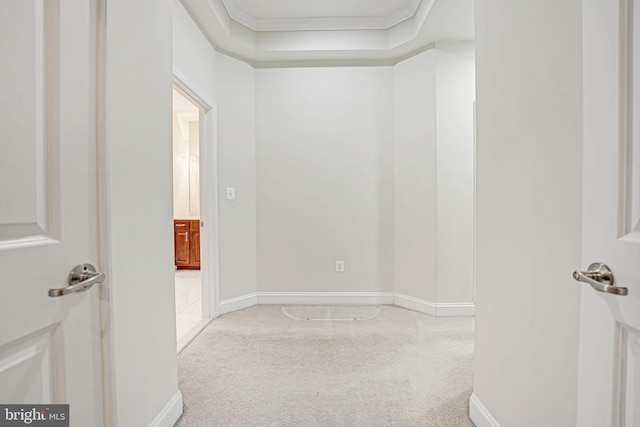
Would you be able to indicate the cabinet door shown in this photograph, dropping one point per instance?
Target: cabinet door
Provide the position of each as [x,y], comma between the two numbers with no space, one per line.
[194,248]
[181,241]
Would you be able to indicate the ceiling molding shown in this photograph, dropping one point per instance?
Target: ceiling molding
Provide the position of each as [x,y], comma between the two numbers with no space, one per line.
[320,23]
[433,21]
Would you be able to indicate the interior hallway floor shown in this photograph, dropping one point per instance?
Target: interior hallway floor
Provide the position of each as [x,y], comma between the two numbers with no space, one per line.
[188,305]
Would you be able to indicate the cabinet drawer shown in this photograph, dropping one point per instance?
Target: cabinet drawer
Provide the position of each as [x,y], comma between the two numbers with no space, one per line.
[195,224]
[181,224]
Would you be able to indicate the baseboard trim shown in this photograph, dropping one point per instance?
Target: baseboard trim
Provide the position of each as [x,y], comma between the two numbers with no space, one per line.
[342,298]
[193,333]
[479,414]
[338,298]
[238,303]
[416,304]
[170,413]
[434,308]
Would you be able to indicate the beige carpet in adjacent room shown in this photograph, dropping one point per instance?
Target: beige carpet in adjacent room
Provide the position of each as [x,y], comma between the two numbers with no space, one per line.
[303,366]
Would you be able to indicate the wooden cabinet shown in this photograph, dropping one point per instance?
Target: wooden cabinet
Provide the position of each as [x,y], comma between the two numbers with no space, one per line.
[186,240]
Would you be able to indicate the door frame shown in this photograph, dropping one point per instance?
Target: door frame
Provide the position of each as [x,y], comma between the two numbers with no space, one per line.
[107,315]
[209,234]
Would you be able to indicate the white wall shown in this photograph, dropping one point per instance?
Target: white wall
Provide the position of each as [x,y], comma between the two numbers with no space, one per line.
[455,94]
[186,163]
[324,179]
[237,168]
[340,163]
[194,168]
[415,250]
[180,170]
[529,190]
[193,57]
[139,211]
[434,176]
[229,84]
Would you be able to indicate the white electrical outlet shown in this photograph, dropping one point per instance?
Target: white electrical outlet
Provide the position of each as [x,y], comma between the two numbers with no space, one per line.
[231,193]
[339,266]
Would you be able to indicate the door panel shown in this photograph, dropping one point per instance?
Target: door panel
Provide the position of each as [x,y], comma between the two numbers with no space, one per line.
[609,383]
[29,358]
[629,29]
[29,42]
[50,348]
[630,388]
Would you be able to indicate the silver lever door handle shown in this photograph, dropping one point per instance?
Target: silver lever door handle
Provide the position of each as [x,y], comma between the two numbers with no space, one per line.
[600,277]
[81,278]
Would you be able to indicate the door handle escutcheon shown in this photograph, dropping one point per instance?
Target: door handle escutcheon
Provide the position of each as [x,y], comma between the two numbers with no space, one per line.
[600,277]
[81,278]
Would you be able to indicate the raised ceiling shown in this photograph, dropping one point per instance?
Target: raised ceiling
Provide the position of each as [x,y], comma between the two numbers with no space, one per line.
[296,15]
[291,32]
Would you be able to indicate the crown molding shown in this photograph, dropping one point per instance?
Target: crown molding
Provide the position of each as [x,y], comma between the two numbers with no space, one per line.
[320,23]
[433,21]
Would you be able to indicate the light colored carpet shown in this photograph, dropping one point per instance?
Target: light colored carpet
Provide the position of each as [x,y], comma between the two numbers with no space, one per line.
[332,313]
[262,367]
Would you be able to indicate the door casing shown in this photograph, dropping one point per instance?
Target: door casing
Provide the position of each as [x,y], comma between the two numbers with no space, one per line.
[209,240]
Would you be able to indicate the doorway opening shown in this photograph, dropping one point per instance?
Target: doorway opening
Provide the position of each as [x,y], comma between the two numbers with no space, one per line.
[192,282]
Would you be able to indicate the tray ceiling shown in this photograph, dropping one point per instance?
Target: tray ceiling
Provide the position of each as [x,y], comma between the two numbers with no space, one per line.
[279,15]
[268,33]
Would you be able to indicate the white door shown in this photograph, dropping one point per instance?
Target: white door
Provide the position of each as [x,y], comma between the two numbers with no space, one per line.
[50,347]
[609,362]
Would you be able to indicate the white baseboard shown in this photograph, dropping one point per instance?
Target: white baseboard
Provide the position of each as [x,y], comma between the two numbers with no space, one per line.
[338,298]
[170,413]
[342,298]
[416,304]
[479,414]
[193,333]
[434,308]
[238,303]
